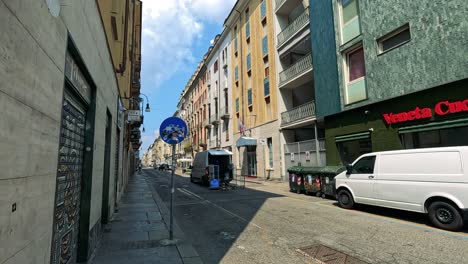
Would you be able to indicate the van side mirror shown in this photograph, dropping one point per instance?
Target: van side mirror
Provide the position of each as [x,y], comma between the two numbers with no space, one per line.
[349,169]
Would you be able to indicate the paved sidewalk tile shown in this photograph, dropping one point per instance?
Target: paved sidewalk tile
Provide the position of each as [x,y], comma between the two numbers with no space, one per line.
[137,232]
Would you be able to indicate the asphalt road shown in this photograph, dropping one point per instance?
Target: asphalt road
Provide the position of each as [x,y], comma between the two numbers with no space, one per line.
[265,223]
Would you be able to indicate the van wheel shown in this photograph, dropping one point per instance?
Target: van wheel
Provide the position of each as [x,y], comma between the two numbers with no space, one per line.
[345,199]
[445,216]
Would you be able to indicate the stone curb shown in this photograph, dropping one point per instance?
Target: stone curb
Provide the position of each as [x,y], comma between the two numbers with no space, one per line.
[188,254]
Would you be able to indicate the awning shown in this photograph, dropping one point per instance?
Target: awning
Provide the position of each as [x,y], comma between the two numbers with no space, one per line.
[219,152]
[357,136]
[184,160]
[434,126]
[246,141]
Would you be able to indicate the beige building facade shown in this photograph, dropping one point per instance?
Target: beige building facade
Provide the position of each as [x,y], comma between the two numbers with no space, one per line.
[60,146]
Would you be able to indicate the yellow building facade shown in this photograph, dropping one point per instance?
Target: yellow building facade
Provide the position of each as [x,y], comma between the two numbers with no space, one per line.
[254,89]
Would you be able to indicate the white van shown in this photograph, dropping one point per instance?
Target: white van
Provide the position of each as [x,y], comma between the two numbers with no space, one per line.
[432,181]
[212,163]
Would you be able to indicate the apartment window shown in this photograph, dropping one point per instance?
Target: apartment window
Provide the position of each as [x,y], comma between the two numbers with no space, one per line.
[227,130]
[215,67]
[246,14]
[394,39]
[355,76]
[270,152]
[236,73]
[267,71]
[263,9]
[265,46]
[249,96]
[249,62]
[266,87]
[247,30]
[235,46]
[350,27]
[226,102]
[349,10]
[237,105]
[356,67]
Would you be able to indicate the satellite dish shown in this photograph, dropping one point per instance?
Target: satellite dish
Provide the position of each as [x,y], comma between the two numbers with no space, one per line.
[54,7]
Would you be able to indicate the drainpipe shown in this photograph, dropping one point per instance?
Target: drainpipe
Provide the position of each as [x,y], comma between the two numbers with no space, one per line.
[123,65]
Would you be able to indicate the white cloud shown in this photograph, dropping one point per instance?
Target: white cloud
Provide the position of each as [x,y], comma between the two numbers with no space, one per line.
[170,30]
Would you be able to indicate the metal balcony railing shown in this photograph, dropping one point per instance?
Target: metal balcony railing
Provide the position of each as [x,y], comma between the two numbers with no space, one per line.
[279,3]
[298,113]
[298,23]
[302,65]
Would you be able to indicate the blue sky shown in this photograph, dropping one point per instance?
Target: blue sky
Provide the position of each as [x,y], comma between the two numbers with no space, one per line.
[176,35]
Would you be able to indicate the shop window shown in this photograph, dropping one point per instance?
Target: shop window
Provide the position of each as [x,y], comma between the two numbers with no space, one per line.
[449,137]
[394,39]
[364,165]
[350,150]
[355,76]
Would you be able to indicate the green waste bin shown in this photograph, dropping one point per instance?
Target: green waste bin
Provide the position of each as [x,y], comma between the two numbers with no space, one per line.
[296,179]
[327,179]
[311,181]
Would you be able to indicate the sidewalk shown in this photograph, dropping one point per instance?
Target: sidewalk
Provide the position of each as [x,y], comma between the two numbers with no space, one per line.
[138,232]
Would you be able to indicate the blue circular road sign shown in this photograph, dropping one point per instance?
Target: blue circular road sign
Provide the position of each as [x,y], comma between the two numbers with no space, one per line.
[173,130]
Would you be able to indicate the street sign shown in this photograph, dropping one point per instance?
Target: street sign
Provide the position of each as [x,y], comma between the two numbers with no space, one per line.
[133,115]
[173,130]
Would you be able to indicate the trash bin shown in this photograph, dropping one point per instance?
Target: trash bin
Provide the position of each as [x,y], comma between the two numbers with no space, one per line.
[312,184]
[296,179]
[328,175]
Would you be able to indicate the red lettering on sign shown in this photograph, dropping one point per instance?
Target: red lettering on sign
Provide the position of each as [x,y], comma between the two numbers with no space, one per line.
[442,111]
[441,108]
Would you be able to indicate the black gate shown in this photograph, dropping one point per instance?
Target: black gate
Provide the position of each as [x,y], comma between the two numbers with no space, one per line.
[69,175]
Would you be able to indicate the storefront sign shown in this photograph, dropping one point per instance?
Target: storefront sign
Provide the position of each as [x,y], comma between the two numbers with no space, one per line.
[76,77]
[441,109]
[133,115]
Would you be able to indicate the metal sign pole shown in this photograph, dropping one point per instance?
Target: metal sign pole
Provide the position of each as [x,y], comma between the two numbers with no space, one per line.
[171,230]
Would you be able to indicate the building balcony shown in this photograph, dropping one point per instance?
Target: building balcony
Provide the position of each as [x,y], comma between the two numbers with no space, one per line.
[206,123]
[213,143]
[292,29]
[214,119]
[299,116]
[224,113]
[297,74]
[285,7]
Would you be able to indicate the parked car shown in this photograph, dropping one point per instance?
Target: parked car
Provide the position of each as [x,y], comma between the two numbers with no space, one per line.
[164,167]
[432,181]
[212,163]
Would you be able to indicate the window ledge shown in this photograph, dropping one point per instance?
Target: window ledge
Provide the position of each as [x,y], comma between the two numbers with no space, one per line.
[351,43]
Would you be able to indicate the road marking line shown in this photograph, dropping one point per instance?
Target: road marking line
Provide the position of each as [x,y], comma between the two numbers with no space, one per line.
[193,194]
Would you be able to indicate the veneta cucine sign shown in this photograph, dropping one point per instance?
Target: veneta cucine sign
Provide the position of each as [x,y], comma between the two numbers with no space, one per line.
[441,108]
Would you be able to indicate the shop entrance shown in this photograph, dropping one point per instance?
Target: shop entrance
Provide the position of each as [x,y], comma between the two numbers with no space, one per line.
[252,161]
[69,180]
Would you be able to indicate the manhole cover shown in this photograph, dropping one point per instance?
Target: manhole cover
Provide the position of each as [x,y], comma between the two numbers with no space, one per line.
[329,256]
